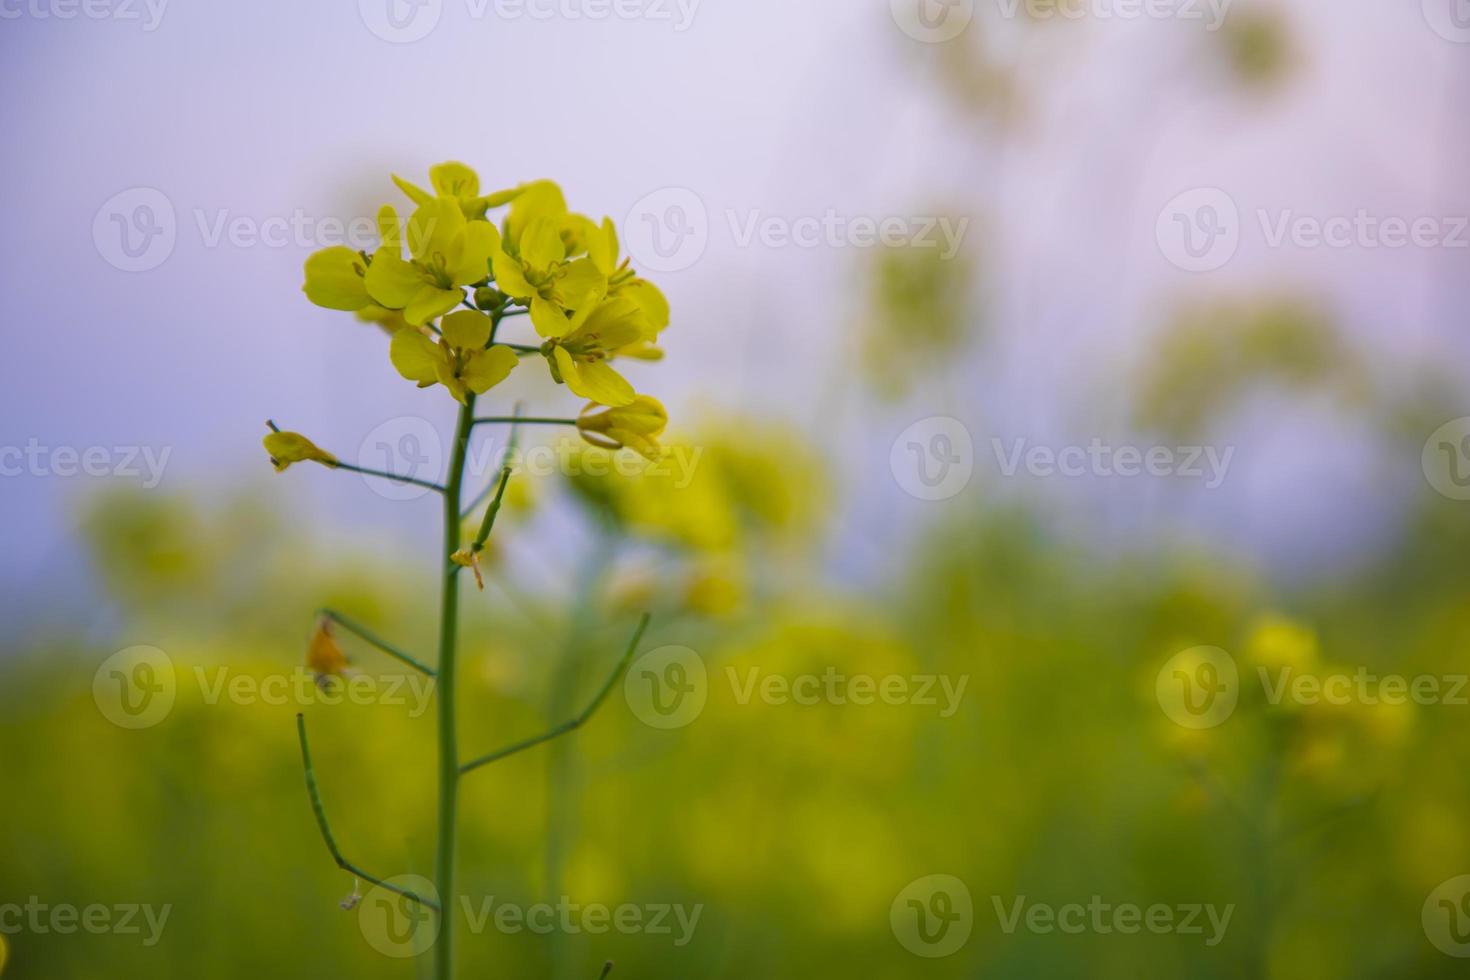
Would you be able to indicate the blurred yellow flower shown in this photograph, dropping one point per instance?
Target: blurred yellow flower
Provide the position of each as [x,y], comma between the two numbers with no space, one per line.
[1277,642]
[715,589]
[286,448]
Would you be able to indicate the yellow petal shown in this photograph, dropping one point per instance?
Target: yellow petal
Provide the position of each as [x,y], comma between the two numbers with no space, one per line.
[466,329]
[436,233]
[391,281]
[415,356]
[286,448]
[651,300]
[602,247]
[481,241]
[335,279]
[509,277]
[548,319]
[430,302]
[538,199]
[390,230]
[616,323]
[415,193]
[541,245]
[487,368]
[454,179]
[580,284]
[597,382]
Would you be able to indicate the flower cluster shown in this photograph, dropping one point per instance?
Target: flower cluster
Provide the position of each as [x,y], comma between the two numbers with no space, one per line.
[444,298]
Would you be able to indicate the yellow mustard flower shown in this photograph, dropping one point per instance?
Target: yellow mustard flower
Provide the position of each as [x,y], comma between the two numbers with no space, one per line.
[604,251]
[542,275]
[286,448]
[448,252]
[460,182]
[459,361]
[324,657]
[715,589]
[578,347]
[541,199]
[635,426]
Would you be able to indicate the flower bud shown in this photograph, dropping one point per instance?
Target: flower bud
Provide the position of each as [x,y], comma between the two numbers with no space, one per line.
[635,426]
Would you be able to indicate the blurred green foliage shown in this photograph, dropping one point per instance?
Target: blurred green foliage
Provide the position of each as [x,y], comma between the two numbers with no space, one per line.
[1058,778]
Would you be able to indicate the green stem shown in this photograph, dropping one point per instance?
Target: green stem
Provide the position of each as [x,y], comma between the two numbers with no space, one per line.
[513,420]
[363,633]
[426,484]
[448,732]
[326,828]
[572,724]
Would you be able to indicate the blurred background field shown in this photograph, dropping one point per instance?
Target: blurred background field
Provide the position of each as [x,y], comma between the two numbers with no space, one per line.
[795,548]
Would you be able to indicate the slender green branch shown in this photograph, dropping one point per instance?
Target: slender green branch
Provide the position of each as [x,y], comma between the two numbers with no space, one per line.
[572,724]
[448,728]
[363,633]
[326,829]
[506,458]
[426,484]
[513,420]
[523,349]
[488,524]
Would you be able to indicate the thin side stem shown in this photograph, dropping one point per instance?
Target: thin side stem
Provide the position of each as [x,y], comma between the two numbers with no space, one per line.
[506,459]
[570,725]
[448,731]
[363,633]
[488,524]
[523,348]
[326,829]
[513,420]
[426,484]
